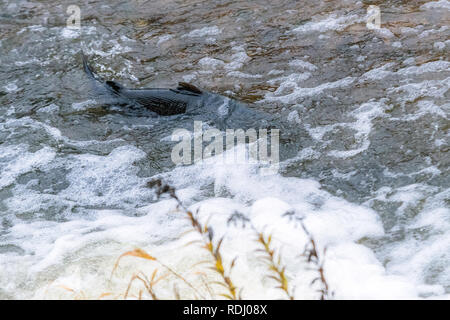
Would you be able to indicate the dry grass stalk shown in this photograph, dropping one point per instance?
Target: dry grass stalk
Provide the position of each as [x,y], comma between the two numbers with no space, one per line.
[206,242]
[311,254]
[275,266]
[77,295]
[148,284]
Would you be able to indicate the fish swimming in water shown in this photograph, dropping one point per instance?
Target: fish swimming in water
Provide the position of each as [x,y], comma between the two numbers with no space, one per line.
[185,99]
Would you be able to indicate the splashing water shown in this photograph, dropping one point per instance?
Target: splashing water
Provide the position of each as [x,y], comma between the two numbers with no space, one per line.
[365,163]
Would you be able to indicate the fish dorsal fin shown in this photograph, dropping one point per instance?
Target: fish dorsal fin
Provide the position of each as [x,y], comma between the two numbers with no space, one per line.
[188,87]
[116,87]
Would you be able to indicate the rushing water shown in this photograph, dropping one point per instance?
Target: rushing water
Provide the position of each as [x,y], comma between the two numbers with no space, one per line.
[366,161]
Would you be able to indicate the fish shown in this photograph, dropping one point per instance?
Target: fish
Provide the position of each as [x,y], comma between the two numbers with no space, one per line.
[185,99]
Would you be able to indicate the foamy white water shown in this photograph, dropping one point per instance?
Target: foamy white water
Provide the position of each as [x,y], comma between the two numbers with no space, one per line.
[364,152]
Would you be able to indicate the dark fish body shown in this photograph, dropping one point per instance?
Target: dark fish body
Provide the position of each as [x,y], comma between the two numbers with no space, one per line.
[185,99]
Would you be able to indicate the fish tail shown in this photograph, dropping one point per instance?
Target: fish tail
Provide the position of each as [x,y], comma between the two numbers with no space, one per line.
[87,68]
[102,86]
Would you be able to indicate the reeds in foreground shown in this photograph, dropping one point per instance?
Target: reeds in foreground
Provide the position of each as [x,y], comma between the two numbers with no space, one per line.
[312,257]
[268,252]
[206,241]
[274,262]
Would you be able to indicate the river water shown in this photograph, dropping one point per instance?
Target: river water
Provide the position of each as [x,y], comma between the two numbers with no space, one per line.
[366,166]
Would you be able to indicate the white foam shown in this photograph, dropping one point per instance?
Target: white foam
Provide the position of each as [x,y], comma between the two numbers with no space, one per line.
[335,223]
[70,33]
[163,39]
[427,33]
[211,63]
[364,277]
[24,63]
[11,87]
[302,65]
[434,66]
[190,77]
[51,108]
[115,47]
[426,107]
[414,258]
[441,4]
[428,88]
[236,62]
[238,74]
[409,61]
[351,269]
[439,45]
[408,30]
[83,105]
[18,161]
[383,72]
[332,22]
[299,92]
[292,79]
[377,73]
[294,117]
[384,33]
[113,179]
[206,31]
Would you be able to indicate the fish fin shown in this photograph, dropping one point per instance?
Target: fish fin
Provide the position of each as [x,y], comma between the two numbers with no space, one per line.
[114,86]
[86,66]
[188,87]
[163,106]
[111,86]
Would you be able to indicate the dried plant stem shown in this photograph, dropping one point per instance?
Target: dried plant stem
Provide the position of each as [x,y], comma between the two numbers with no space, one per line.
[147,284]
[312,256]
[275,265]
[142,254]
[206,236]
